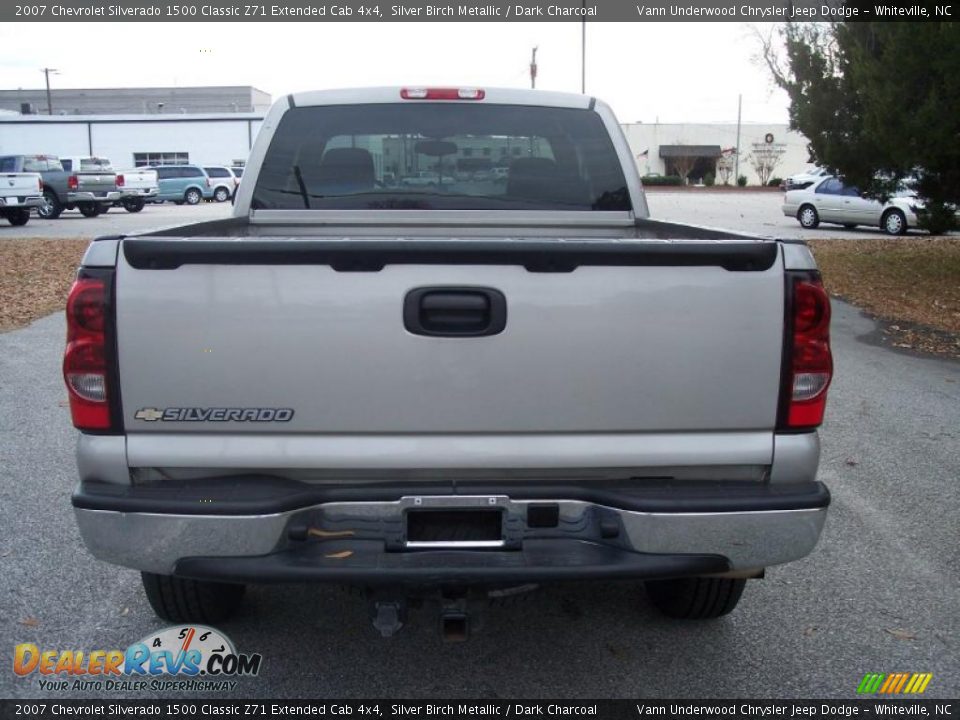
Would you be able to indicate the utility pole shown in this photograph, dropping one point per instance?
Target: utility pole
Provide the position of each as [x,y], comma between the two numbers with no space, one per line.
[736,172]
[533,68]
[46,72]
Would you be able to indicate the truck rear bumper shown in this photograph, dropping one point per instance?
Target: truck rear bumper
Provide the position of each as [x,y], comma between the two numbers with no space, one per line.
[21,201]
[360,534]
[144,193]
[98,197]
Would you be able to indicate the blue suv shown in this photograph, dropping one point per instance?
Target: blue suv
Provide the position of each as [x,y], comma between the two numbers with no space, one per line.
[183,184]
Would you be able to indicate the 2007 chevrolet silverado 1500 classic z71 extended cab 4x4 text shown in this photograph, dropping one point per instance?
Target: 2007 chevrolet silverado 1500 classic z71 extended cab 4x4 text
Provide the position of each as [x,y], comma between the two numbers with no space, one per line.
[471,386]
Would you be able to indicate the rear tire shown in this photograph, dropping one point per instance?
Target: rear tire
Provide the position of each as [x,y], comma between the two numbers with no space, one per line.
[808,217]
[17,216]
[696,598]
[221,194]
[182,600]
[52,207]
[89,209]
[133,205]
[192,196]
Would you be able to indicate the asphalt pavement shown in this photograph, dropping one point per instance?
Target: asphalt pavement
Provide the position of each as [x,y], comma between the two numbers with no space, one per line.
[880,594]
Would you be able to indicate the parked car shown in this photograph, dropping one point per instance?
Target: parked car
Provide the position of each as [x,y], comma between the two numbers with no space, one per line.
[89,188]
[427,178]
[224,182]
[804,179]
[830,200]
[549,386]
[183,184]
[19,193]
[237,172]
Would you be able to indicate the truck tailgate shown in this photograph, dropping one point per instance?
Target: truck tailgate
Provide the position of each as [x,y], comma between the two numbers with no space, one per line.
[629,338]
[96,183]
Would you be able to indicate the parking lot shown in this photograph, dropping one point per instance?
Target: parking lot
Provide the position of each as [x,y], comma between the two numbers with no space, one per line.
[756,212]
[880,594]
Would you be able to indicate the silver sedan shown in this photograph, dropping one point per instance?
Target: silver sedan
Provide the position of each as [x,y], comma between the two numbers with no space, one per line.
[829,200]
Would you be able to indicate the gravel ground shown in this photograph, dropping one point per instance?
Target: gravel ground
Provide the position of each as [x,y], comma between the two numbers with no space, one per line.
[879,595]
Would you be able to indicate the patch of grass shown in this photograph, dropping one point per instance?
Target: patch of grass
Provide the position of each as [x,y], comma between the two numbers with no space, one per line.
[912,283]
[37,274]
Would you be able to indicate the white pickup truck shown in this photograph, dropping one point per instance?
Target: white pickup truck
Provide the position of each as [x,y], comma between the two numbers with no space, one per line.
[19,194]
[446,391]
[139,186]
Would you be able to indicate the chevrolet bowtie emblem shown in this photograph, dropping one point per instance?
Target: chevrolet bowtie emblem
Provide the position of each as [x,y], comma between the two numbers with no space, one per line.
[148,414]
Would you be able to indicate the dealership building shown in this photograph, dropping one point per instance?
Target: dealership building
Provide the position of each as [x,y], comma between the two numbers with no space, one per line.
[218,125]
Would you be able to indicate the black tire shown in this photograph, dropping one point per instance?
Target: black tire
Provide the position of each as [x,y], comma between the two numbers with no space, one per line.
[182,600]
[52,207]
[133,205]
[17,216]
[697,598]
[808,216]
[192,196]
[105,208]
[89,209]
[177,202]
[850,226]
[221,194]
[894,222]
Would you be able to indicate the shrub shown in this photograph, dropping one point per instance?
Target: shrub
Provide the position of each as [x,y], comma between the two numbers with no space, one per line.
[742,181]
[651,180]
[709,179]
[774,182]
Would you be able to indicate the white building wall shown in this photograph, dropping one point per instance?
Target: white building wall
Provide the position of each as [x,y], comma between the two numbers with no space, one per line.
[208,140]
[650,136]
[45,138]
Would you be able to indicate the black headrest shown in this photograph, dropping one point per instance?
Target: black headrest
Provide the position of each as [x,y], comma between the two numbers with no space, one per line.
[346,165]
[534,178]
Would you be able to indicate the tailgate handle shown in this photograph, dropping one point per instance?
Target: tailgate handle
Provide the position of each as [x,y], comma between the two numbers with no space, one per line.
[455,311]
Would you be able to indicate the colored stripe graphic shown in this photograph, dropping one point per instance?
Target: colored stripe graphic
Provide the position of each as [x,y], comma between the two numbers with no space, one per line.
[870,683]
[894,683]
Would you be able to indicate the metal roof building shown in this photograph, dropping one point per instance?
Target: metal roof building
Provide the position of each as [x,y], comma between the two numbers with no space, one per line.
[139,101]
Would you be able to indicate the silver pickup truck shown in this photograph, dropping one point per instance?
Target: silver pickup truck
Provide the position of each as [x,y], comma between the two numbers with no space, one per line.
[469,388]
[89,187]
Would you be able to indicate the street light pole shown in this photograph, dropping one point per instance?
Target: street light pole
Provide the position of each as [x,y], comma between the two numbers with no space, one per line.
[736,172]
[533,68]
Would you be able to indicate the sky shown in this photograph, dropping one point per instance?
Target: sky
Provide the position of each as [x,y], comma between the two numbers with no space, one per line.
[648,72]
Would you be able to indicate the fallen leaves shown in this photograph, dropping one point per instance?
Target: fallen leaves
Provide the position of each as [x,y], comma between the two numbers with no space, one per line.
[913,283]
[37,274]
[30,622]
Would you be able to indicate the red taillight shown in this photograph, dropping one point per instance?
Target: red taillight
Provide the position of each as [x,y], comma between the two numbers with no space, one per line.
[811,364]
[72,182]
[85,359]
[442,94]
[120,181]
[39,184]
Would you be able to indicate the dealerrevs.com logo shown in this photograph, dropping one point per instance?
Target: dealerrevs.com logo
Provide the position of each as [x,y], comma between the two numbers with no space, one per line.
[179,658]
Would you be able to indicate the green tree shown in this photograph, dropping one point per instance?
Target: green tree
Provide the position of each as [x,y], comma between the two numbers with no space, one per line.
[880,103]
